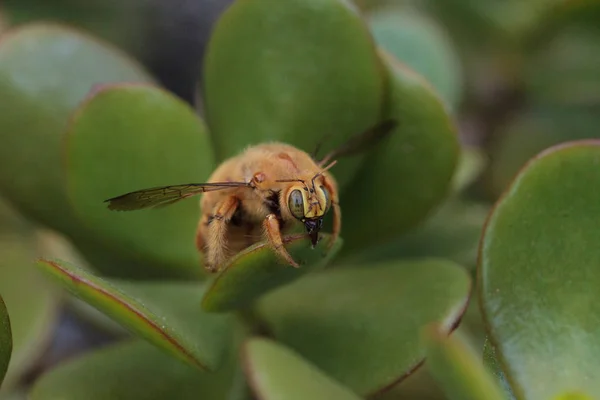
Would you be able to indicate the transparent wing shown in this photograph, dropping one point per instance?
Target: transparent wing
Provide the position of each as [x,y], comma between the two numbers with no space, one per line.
[361,142]
[165,195]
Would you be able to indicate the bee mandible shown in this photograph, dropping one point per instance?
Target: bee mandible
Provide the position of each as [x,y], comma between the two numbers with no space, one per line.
[259,194]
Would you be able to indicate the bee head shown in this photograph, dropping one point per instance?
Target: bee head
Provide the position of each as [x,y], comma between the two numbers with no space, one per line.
[308,204]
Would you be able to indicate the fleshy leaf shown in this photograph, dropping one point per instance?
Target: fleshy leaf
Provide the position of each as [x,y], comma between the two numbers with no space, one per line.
[167,314]
[422,45]
[133,369]
[491,362]
[125,138]
[45,71]
[396,188]
[456,367]
[276,372]
[258,270]
[5,340]
[307,74]
[32,302]
[372,317]
[539,277]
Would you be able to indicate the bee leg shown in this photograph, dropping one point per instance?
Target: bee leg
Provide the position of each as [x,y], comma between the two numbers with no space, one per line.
[216,246]
[271,225]
[337,223]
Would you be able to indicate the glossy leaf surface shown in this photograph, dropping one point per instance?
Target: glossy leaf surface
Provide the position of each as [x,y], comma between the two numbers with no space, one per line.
[45,71]
[407,175]
[258,270]
[372,317]
[276,372]
[297,71]
[539,275]
[457,368]
[131,137]
[133,369]
[491,362]
[166,314]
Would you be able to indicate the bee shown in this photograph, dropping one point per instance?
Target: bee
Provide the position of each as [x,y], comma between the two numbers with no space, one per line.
[259,194]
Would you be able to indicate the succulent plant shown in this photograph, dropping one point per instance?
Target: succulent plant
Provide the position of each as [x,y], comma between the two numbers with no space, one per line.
[419,298]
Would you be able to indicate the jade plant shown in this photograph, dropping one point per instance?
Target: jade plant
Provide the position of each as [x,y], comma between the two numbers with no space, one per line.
[430,292]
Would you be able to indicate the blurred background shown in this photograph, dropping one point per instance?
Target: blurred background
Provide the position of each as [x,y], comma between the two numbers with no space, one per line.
[517,77]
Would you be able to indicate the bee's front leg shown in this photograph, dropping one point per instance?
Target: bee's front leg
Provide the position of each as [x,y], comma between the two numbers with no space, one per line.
[273,232]
[216,240]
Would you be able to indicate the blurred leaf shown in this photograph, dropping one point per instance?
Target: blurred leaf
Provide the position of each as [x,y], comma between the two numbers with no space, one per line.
[133,369]
[565,71]
[31,302]
[258,270]
[452,232]
[296,71]
[167,314]
[530,133]
[5,340]
[471,164]
[456,367]
[129,137]
[119,22]
[45,71]
[491,362]
[539,275]
[372,317]
[408,174]
[492,24]
[276,372]
[422,45]
[419,385]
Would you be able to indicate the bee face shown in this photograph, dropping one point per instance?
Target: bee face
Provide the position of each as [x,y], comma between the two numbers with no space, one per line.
[308,205]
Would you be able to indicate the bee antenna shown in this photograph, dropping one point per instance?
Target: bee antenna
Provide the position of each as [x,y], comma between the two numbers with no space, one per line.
[331,164]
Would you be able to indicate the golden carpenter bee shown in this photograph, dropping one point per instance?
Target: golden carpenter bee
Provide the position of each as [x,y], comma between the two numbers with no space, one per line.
[259,193]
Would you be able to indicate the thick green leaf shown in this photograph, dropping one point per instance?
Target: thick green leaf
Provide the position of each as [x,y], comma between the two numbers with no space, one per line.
[539,274]
[45,71]
[297,71]
[276,372]
[31,302]
[491,362]
[133,369]
[130,137]
[372,317]
[258,270]
[5,340]
[409,173]
[167,314]
[422,45]
[456,367]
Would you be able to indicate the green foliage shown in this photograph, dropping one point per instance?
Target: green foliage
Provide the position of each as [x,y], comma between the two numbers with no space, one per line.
[540,327]
[401,305]
[5,340]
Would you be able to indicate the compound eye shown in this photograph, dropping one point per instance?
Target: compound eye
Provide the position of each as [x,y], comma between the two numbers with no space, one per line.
[327,198]
[296,204]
